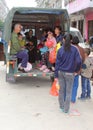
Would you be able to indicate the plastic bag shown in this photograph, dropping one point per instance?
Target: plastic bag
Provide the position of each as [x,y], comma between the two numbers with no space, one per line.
[28,68]
[49,44]
[54,89]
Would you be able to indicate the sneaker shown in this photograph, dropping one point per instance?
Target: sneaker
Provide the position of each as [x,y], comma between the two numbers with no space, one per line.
[88,97]
[74,113]
[66,112]
[22,70]
[62,109]
[43,67]
[46,70]
[81,98]
[39,65]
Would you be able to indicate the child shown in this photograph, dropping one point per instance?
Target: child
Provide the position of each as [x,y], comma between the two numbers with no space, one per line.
[51,38]
[86,74]
[44,57]
[51,44]
[31,51]
[75,42]
[22,42]
[39,46]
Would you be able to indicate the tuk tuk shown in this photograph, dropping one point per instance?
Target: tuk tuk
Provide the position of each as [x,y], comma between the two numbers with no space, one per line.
[35,19]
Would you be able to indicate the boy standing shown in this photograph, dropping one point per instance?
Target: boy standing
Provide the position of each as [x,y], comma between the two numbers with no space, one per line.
[86,74]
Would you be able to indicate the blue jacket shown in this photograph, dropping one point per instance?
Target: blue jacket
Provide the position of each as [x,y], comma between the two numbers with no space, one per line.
[68,61]
[59,38]
[44,50]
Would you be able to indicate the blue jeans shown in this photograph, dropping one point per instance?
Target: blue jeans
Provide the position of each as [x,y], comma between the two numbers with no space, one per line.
[24,56]
[66,83]
[86,88]
[74,89]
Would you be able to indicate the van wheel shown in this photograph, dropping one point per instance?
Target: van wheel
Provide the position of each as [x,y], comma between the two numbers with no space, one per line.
[10,78]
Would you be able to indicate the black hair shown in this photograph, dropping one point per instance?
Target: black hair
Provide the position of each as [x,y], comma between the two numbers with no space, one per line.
[58,27]
[75,40]
[44,30]
[87,51]
[67,45]
[31,40]
[31,30]
[50,30]
[71,37]
[91,40]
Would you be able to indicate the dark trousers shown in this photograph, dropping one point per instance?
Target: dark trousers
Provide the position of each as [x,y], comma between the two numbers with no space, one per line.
[23,55]
[66,82]
[86,88]
[45,58]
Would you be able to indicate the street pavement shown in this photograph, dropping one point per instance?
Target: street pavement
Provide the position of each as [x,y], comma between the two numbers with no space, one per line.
[27,105]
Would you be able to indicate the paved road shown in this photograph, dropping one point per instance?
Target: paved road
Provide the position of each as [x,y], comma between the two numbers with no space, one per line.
[27,105]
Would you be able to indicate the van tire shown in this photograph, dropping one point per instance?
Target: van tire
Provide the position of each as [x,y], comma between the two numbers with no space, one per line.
[10,78]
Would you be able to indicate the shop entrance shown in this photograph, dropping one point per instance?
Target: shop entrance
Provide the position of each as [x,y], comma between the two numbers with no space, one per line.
[80,26]
[90,28]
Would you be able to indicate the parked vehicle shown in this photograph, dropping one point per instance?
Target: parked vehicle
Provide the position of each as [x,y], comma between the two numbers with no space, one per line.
[76,32]
[35,19]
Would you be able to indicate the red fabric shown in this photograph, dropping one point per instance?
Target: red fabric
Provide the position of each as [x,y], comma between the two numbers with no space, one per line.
[40,45]
[52,56]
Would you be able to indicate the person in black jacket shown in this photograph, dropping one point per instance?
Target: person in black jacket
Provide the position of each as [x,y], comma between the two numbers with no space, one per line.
[30,37]
[31,51]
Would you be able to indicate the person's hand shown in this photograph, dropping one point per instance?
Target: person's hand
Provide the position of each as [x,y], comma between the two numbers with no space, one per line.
[56,79]
[23,47]
[75,74]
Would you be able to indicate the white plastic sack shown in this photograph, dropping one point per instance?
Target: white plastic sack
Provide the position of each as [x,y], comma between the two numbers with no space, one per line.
[28,68]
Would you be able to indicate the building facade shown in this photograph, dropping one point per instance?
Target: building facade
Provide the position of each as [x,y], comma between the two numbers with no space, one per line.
[3,10]
[81,14]
[49,3]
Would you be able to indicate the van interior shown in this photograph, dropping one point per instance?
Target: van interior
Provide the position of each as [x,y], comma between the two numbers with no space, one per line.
[39,19]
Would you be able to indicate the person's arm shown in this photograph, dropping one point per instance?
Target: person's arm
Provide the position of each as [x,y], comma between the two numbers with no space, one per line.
[15,43]
[44,49]
[78,61]
[32,48]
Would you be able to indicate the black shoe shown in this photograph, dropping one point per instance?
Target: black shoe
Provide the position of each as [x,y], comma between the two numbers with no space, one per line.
[22,70]
[81,98]
[88,97]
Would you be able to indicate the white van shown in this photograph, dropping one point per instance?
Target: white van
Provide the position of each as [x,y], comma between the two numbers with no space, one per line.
[36,19]
[76,32]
